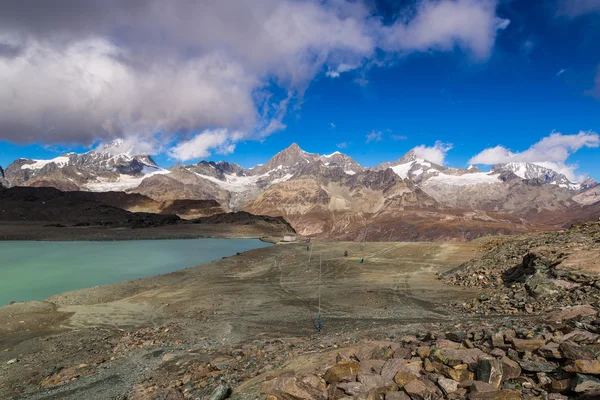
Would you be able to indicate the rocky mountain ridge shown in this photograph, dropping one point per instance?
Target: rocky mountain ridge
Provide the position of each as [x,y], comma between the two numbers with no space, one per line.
[333,196]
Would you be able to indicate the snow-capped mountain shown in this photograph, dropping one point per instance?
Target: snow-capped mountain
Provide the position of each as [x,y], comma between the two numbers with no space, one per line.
[329,194]
[340,160]
[96,170]
[233,186]
[3,181]
[419,170]
[532,171]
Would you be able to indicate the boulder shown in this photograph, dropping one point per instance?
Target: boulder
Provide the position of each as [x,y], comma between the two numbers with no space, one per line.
[448,385]
[374,381]
[510,369]
[404,375]
[584,383]
[396,396]
[372,366]
[523,345]
[489,370]
[456,336]
[308,387]
[496,395]
[481,387]
[351,388]
[550,350]
[539,365]
[573,351]
[573,313]
[452,357]
[584,367]
[342,369]
[422,389]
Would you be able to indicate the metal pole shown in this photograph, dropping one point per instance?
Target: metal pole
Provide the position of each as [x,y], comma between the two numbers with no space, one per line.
[309,255]
[320,272]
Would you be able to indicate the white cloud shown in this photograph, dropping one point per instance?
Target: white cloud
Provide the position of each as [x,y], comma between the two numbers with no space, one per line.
[435,154]
[442,25]
[562,71]
[343,145]
[550,152]
[203,144]
[156,70]
[331,125]
[374,136]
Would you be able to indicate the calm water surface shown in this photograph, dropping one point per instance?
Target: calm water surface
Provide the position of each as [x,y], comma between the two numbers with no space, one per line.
[37,270]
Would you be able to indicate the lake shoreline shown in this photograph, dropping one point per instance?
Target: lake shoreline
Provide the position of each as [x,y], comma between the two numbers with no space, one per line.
[43,232]
[36,271]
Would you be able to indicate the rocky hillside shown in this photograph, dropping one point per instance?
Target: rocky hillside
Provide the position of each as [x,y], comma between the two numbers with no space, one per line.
[333,196]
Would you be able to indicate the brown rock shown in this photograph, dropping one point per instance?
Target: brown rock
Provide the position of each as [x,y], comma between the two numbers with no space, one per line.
[496,395]
[448,385]
[423,351]
[351,388]
[396,396]
[481,387]
[309,387]
[584,367]
[572,313]
[540,365]
[550,350]
[458,375]
[391,368]
[582,337]
[510,369]
[372,366]
[498,340]
[489,370]
[402,352]
[341,369]
[560,385]
[453,357]
[174,394]
[584,383]
[527,345]
[421,389]
[373,381]
[573,351]
[405,375]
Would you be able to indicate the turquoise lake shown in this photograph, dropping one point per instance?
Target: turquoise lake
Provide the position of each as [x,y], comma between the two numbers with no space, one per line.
[37,270]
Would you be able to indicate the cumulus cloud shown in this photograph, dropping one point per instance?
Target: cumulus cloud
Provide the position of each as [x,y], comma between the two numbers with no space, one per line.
[550,152]
[442,25]
[205,143]
[435,154]
[374,136]
[87,70]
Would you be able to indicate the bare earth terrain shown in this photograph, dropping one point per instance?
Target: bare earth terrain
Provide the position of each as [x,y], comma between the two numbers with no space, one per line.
[266,293]
[509,317]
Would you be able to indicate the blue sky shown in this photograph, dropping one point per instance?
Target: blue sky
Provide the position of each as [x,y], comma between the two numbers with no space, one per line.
[532,78]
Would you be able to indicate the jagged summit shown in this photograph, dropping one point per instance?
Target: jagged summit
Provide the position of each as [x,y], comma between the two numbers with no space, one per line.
[532,171]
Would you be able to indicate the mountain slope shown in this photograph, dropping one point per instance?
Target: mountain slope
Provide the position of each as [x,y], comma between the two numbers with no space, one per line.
[97,170]
[332,195]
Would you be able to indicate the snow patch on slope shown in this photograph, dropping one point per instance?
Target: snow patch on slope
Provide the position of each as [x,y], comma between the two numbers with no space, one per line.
[473,179]
[124,182]
[39,164]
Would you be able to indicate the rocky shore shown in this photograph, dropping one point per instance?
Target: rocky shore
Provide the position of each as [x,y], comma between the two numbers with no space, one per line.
[518,320]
